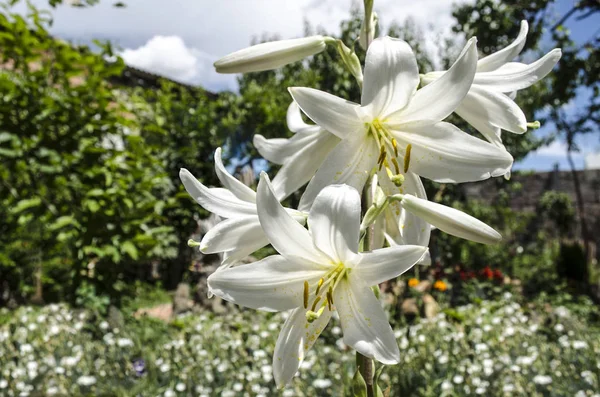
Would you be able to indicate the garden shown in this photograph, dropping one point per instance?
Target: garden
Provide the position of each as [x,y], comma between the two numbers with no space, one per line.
[157,239]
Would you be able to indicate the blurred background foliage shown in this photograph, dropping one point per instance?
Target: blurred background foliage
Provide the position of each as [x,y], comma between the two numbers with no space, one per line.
[91,203]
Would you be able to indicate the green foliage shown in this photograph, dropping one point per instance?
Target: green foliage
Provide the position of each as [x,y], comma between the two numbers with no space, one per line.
[89,190]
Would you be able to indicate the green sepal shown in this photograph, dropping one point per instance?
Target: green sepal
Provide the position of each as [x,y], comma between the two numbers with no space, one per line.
[359,386]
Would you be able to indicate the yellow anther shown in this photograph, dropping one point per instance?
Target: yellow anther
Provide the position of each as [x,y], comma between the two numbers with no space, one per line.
[407,157]
[329,299]
[314,305]
[319,286]
[382,156]
[395,145]
[396,165]
[305,294]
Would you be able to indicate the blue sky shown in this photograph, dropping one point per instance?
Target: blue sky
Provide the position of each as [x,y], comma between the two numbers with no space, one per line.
[181,40]
[544,159]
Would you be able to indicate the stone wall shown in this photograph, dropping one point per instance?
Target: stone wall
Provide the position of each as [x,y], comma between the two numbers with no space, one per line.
[534,185]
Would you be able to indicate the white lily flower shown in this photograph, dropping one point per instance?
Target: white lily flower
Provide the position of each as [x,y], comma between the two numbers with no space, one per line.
[396,121]
[300,155]
[489,105]
[318,272]
[240,234]
[271,55]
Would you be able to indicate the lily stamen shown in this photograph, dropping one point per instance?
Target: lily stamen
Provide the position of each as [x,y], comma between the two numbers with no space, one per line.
[407,157]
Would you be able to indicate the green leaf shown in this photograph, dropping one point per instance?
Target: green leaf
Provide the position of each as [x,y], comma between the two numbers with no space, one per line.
[130,249]
[359,386]
[25,204]
[95,192]
[377,389]
[62,222]
[92,205]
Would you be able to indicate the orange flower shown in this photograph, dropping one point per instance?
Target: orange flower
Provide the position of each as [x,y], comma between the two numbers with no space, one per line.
[413,282]
[440,285]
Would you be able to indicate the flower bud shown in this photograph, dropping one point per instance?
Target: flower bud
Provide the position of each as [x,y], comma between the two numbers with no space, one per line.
[364,35]
[271,55]
[450,220]
[351,61]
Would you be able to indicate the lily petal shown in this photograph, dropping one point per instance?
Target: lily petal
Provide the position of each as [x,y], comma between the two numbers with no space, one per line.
[295,339]
[365,326]
[511,78]
[391,76]
[349,162]
[437,100]
[479,121]
[234,185]
[235,233]
[285,234]
[451,221]
[304,163]
[498,109]
[387,263]
[271,284]
[216,200]
[336,115]
[444,153]
[334,222]
[294,119]
[507,54]
[280,150]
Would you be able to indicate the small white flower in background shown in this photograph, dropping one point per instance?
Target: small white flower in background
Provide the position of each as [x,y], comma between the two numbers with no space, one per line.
[542,380]
[180,386]
[559,327]
[588,376]
[3,383]
[579,344]
[86,380]
[271,55]
[316,273]
[322,383]
[240,234]
[446,385]
[169,393]
[458,379]
[489,105]
[124,342]
[509,387]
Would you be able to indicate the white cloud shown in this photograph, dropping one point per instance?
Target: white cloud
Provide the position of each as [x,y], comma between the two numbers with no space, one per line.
[169,56]
[592,161]
[164,55]
[554,149]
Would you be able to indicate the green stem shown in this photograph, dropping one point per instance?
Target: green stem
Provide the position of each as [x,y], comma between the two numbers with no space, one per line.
[365,364]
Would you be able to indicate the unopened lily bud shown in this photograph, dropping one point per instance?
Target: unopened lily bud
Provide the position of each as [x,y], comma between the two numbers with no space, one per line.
[364,35]
[450,220]
[351,61]
[271,55]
